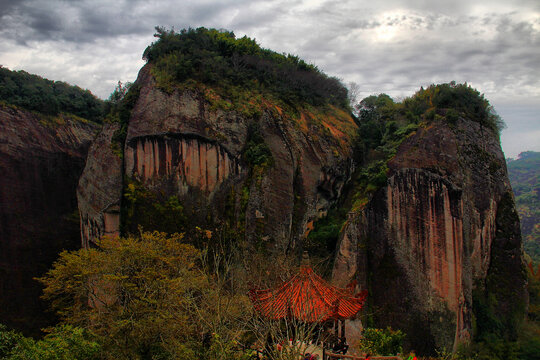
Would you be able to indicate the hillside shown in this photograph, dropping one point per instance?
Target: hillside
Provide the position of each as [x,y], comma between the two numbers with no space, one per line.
[429,206]
[524,174]
[34,93]
[219,134]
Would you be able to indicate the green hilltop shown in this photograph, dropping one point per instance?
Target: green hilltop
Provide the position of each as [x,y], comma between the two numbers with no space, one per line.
[34,93]
[238,67]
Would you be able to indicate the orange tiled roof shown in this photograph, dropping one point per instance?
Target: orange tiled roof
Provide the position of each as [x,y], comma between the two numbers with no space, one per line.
[307,297]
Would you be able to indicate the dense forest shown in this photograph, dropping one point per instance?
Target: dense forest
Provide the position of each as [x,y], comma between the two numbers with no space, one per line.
[238,68]
[524,174]
[48,97]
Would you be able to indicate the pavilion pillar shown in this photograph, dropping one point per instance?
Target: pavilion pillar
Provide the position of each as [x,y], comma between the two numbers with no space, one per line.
[343,328]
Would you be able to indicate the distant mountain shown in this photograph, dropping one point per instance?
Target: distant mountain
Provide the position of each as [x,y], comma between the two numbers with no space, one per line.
[524,173]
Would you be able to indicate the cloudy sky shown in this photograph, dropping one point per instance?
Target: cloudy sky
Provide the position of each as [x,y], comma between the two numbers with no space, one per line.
[385,46]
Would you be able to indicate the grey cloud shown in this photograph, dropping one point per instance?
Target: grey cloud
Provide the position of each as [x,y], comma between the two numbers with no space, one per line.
[7,7]
[252,16]
[84,21]
[386,46]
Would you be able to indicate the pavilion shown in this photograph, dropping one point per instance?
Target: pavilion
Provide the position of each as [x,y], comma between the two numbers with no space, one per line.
[309,298]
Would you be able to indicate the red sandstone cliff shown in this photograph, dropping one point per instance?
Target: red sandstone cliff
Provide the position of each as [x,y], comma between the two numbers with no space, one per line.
[443,229]
[41,159]
[179,145]
[437,232]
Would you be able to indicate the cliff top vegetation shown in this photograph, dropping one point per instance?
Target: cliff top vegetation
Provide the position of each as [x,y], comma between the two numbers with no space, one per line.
[383,124]
[32,92]
[238,65]
[449,101]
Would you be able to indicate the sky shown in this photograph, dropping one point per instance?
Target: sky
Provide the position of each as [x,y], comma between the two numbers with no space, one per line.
[384,46]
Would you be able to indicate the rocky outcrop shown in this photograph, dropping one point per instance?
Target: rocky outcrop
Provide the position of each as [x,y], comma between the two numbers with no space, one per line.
[178,144]
[100,189]
[427,240]
[41,159]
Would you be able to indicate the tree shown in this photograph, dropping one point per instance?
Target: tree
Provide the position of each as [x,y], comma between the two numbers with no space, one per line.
[353,90]
[134,293]
[33,92]
[222,310]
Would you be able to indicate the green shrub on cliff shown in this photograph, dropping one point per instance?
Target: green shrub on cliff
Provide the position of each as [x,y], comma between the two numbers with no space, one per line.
[383,124]
[256,153]
[150,210]
[118,110]
[235,66]
[451,100]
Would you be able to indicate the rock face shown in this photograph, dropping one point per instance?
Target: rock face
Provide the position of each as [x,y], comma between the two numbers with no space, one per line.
[179,145]
[193,162]
[100,189]
[41,160]
[432,236]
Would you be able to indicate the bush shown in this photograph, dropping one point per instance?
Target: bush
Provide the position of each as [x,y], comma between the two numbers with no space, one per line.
[459,99]
[150,210]
[384,342]
[132,293]
[151,297]
[62,343]
[8,341]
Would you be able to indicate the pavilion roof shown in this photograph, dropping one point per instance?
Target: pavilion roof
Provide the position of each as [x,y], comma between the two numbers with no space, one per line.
[307,297]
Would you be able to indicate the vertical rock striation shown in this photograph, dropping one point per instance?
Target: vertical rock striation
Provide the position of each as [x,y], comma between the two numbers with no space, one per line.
[428,239]
[192,162]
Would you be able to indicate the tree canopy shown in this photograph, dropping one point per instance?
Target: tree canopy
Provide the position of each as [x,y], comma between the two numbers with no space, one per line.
[131,292]
[151,296]
[217,57]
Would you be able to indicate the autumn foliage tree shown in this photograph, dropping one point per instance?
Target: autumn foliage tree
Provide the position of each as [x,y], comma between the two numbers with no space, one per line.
[132,293]
[152,296]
